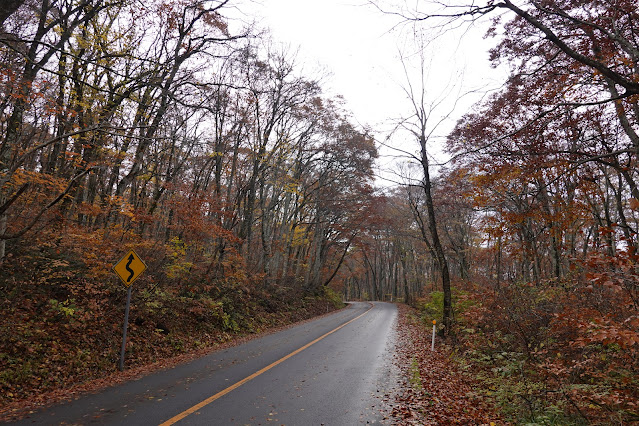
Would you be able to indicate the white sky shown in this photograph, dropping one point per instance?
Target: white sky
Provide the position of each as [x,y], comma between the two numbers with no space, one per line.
[360,47]
[351,42]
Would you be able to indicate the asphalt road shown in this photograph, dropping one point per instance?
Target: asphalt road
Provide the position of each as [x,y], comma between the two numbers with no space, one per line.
[331,371]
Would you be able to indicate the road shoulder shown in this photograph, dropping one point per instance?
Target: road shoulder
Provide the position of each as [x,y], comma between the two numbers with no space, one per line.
[434,390]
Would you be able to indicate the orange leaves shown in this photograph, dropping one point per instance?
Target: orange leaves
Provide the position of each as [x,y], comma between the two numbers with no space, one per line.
[613,286]
[46,181]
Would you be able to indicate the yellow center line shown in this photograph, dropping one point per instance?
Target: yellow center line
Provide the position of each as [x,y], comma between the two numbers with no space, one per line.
[221,393]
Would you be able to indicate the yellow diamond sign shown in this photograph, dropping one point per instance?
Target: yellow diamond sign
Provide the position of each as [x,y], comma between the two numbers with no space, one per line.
[129,268]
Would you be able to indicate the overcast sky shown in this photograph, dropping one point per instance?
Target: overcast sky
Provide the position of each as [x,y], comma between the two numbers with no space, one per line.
[360,47]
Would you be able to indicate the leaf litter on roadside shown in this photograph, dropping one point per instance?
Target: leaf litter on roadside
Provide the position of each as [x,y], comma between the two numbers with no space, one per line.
[434,391]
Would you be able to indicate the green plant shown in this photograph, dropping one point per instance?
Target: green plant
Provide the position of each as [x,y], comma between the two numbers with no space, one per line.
[415,378]
[67,307]
[432,306]
[333,297]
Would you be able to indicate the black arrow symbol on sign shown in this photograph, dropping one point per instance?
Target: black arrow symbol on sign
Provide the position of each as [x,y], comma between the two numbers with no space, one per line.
[131,259]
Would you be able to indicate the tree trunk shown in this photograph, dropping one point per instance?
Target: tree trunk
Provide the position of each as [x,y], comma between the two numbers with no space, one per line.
[442,262]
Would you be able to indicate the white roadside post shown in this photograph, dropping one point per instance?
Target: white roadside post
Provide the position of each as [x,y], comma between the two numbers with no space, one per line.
[432,345]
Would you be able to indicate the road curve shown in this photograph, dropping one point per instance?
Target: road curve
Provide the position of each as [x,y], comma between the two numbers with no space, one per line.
[331,371]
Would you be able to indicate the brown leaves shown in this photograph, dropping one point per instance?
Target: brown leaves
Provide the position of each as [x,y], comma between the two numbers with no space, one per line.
[436,391]
[573,343]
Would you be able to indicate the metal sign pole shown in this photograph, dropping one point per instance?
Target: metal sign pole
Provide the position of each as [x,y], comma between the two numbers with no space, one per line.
[126,323]
[128,269]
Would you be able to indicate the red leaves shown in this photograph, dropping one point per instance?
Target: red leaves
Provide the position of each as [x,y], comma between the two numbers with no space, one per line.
[579,340]
[607,332]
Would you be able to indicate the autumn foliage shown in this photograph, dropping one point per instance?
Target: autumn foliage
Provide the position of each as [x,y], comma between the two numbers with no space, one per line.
[550,165]
[538,213]
[249,194]
[159,129]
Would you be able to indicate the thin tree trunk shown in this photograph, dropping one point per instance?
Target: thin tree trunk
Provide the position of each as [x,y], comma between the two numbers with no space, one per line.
[442,262]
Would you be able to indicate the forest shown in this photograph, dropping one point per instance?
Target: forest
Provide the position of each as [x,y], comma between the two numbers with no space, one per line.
[168,128]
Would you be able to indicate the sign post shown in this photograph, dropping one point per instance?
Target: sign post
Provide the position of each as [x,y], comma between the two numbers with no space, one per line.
[432,345]
[129,268]
[126,323]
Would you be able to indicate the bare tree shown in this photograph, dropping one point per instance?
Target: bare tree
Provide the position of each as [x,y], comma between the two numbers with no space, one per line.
[422,124]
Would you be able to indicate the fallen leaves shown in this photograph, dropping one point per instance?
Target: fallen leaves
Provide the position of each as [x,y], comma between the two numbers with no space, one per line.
[434,391]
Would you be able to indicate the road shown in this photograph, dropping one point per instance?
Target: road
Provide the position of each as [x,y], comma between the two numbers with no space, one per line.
[334,370]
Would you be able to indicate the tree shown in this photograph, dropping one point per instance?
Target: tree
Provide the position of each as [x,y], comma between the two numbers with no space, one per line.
[8,8]
[34,46]
[580,31]
[421,124]
[66,130]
